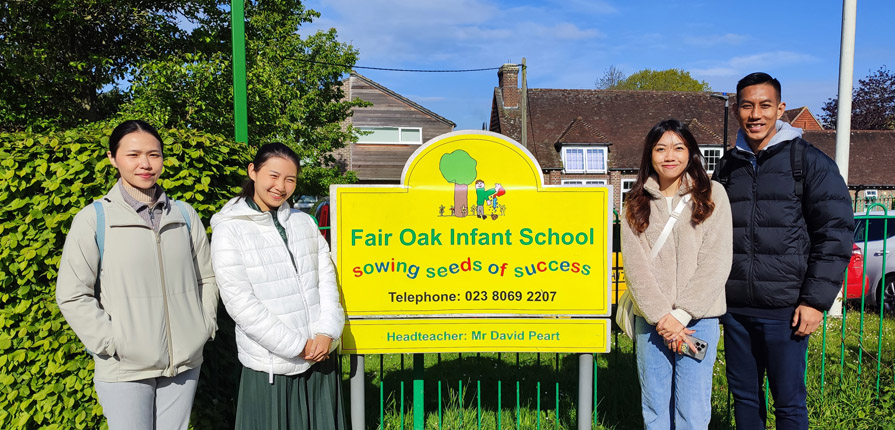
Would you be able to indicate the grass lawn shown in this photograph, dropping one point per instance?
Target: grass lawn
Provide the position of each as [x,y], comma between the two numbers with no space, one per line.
[471,391]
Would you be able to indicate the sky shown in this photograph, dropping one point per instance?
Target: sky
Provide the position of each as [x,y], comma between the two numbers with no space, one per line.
[571,43]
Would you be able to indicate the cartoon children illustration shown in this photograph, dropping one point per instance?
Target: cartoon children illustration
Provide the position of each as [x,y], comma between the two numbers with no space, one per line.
[481,194]
[500,191]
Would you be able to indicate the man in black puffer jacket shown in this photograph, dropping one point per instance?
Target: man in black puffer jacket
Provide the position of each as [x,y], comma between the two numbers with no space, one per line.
[792,233]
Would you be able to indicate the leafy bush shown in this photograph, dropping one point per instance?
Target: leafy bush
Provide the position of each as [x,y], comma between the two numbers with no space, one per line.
[45,375]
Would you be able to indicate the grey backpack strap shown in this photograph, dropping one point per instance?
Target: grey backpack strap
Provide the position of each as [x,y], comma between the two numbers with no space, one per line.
[100,243]
[100,228]
[186,215]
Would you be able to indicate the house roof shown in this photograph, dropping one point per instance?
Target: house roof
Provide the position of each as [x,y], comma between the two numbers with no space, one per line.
[870,155]
[402,98]
[704,134]
[621,118]
[580,131]
[803,118]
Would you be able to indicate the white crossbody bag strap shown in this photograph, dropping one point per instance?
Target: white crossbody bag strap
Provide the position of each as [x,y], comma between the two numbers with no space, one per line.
[668,227]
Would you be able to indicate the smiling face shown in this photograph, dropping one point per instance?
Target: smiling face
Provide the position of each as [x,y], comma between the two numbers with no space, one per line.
[670,158]
[138,159]
[758,109]
[275,182]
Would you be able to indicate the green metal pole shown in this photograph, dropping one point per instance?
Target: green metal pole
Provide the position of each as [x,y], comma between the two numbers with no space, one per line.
[823,354]
[499,403]
[240,108]
[419,415]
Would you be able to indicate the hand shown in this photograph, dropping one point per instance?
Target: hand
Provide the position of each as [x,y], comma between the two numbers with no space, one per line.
[317,349]
[806,319]
[668,327]
[684,337]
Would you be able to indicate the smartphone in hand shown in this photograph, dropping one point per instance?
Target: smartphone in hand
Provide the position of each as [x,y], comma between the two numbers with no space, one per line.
[701,348]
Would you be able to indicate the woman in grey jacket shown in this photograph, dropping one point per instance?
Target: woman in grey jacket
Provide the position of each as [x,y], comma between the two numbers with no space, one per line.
[678,284]
[137,286]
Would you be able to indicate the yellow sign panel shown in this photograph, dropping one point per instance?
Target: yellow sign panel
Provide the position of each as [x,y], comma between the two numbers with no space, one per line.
[475,335]
[472,230]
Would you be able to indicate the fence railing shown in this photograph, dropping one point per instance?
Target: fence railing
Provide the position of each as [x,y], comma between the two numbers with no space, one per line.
[849,374]
[860,204]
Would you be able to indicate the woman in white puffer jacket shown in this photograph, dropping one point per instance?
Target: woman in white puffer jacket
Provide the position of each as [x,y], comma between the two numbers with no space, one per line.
[277,282]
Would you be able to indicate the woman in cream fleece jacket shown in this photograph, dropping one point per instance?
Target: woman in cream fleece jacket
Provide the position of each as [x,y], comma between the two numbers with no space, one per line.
[680,291]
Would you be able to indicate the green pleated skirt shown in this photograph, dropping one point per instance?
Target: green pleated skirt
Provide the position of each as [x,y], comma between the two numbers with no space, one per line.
[308,401]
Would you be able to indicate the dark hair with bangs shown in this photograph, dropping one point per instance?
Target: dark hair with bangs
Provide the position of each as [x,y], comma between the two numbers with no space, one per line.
[637,205]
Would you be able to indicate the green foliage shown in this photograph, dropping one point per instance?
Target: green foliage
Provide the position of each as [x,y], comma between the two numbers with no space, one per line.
[659,80]
[46,378]
[58,57]
[295,91]
[457,167]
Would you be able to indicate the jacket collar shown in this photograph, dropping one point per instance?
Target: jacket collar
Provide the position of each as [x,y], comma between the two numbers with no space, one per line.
[785,132]
[121,213]
[238,208]
[652,186]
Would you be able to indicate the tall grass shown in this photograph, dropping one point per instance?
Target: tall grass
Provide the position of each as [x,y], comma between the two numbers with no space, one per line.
[461,390]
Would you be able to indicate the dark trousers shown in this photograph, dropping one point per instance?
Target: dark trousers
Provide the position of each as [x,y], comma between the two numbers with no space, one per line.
[752,347]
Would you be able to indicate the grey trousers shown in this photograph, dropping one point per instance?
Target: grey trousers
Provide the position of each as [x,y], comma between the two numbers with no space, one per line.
[149,404]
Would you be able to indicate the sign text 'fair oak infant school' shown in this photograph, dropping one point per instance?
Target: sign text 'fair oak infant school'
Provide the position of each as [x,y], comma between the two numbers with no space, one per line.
[472,232]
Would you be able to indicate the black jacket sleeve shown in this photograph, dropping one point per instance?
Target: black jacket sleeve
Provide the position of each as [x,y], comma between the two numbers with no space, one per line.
[830,221]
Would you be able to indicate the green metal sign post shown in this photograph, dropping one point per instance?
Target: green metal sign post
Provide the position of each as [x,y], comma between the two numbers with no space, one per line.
[419,415]
[240,109]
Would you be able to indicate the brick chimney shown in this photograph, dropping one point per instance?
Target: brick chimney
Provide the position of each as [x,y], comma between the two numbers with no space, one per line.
[508,79]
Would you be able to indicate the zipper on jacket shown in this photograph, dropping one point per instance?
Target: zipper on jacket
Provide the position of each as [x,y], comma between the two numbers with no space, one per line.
[301,290]
[170,370]
[750,287]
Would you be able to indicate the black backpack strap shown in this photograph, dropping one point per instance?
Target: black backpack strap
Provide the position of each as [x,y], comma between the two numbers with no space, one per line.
[797,161]
[722,174]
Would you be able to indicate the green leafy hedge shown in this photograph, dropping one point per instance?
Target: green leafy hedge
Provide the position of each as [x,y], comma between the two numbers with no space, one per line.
[46,378]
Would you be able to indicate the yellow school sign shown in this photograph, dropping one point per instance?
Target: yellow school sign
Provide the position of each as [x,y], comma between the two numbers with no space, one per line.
[473,232]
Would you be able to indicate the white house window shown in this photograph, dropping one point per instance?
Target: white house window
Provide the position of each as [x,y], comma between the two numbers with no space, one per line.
[711,157]
[584,159]
[627,184]
[391,135]
[583,182]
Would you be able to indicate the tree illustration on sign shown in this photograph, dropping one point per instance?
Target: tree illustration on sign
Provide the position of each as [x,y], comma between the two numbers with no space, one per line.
[458,168]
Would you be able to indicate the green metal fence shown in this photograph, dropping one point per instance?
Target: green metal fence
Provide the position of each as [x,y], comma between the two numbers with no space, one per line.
[861,204]
[849,358]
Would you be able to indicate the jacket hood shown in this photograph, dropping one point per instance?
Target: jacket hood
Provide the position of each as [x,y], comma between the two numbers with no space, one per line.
[237,208]
[784,133]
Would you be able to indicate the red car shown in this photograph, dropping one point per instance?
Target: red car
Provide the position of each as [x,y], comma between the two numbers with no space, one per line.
[855,280]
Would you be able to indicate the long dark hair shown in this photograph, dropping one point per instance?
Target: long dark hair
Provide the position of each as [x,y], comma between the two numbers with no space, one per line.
[266,152]
[637,209]
[128,127]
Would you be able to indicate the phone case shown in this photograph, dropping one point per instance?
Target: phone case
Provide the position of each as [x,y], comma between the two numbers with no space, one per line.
[701,347]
